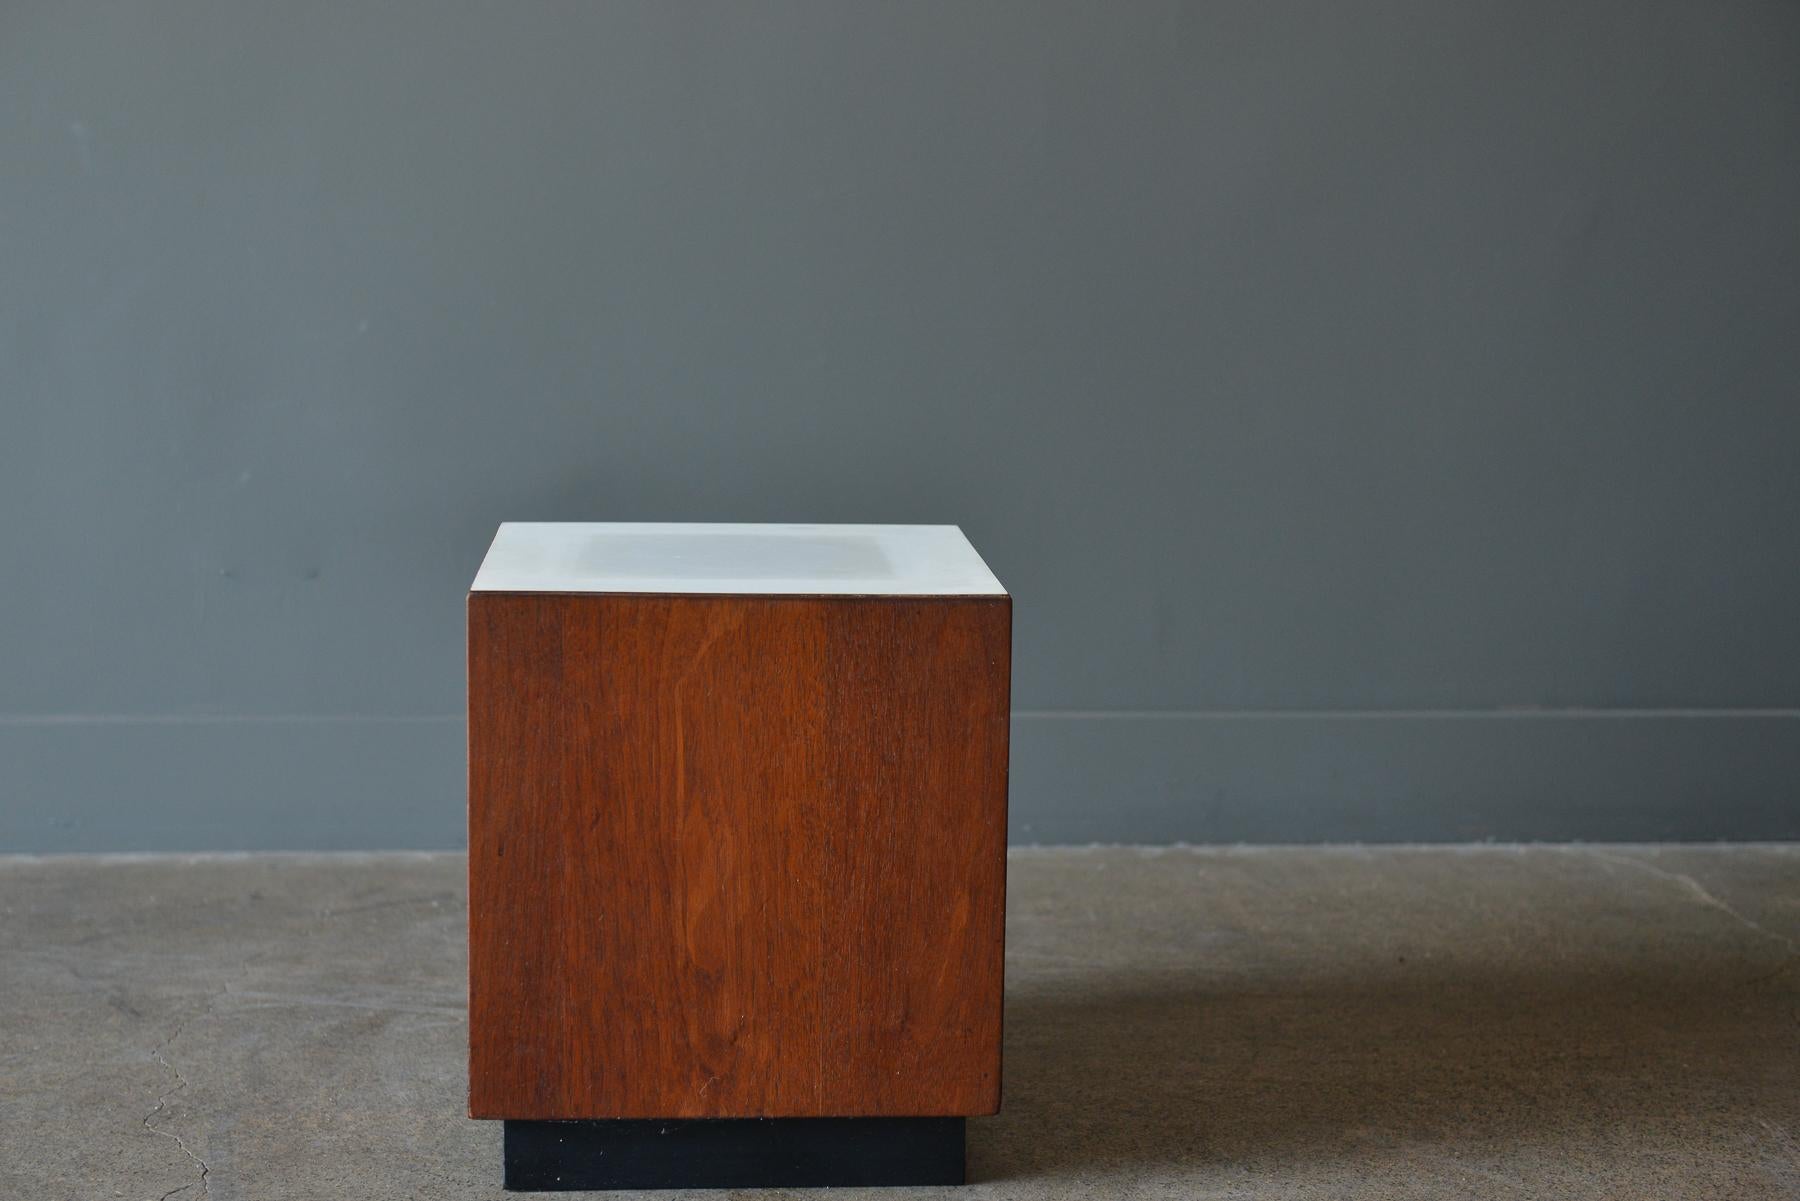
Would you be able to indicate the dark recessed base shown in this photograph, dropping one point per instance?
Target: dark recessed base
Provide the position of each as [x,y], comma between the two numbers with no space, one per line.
[649,1153]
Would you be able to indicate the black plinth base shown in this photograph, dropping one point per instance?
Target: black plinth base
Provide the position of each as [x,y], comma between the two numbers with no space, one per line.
[635,1153]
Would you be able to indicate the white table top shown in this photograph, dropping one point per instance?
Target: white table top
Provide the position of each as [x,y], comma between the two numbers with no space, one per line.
[800,560]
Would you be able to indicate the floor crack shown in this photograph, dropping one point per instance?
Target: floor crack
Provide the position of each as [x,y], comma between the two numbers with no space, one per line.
[162,1102]
[1701,894]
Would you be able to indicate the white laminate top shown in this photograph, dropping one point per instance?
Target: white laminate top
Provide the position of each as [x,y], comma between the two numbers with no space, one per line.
[801,560]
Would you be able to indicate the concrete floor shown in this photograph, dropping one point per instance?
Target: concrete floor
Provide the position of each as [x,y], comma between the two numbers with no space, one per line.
[1485,1022]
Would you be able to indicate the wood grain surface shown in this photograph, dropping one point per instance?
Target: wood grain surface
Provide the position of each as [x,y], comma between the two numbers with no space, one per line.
[736,856]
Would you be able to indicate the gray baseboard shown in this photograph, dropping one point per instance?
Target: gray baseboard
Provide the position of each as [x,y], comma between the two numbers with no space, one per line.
[1269,778]
[194,784]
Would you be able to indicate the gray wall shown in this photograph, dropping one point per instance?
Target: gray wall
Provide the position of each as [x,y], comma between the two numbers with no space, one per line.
[1387,416]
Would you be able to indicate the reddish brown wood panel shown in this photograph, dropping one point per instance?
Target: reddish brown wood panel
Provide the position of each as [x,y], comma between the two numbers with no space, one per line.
[736,856]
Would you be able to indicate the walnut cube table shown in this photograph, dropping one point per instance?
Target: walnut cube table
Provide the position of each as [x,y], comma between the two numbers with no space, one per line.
[737,829]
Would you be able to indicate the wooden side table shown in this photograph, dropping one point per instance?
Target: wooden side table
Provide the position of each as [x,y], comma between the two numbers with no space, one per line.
[737,830]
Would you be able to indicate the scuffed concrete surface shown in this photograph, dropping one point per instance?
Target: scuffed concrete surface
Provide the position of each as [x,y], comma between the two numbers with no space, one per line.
[1481,1022]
